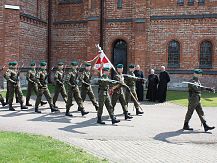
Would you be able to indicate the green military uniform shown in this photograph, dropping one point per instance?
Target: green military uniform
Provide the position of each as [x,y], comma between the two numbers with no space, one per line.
[12,77]
[86,87]
[7,95]
[59,85]
[194,102]
[118,94]
[41,78]
[73,90]
[131,83]
[104,98]
[2,100]
[32,84]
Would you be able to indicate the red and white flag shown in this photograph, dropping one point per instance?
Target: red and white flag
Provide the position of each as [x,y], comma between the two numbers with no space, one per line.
[102,61]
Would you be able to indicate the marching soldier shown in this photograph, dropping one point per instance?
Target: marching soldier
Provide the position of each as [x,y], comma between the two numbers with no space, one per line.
[59,84]
[104,98]
[32,84]
[2,100]
[73,90]
[118,92]
[131,83]
[12,77]
[86,87]
[194,101]
[43,88]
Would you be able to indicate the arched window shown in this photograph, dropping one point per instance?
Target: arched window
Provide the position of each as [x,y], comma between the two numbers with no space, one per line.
[206,54]
[119,4]
[173,54]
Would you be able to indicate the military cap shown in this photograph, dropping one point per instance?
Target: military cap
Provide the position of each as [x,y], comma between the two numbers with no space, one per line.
[87,64]
[14,63]
[131,66]
[32,63]
[106,69]
[43,63]
[120,66]
[198,71]
[74,63]
[60,63]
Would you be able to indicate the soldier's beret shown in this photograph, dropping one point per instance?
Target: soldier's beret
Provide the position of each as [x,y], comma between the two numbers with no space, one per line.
[120,66]
[131,66]
[198,71]
[14,63]
[104,75]
[32,63]
[60,63]
[74,63]
[106,69]
[43,63]
[87,64]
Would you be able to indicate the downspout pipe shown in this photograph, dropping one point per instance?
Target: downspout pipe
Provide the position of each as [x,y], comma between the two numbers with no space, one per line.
[49,39]
[102,21]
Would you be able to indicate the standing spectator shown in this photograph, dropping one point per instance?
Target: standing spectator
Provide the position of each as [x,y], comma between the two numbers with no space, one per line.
[139,83]
[152,86]
[162,87]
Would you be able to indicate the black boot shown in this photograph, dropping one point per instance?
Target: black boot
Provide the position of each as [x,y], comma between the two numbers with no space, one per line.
[43,103]
[23,106]
[11,108]
[186,127]
[99,120]
[96,107]
[54,109]
[114,120]
[54,105]
[68,113]
[79,109]
[127,116]
[3,103]
[28,104]
[83,112]
[206,127]
[37,111]
[139,112]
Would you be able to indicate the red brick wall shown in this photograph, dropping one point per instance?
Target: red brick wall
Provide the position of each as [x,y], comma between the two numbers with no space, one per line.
[33,31]
[73,35]
[76,30]
[1,41]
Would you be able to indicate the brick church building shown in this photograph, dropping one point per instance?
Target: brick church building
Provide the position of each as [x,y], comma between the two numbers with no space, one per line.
[180,34]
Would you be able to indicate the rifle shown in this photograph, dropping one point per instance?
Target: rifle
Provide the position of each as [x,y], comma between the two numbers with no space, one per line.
[134,77]
[200,86]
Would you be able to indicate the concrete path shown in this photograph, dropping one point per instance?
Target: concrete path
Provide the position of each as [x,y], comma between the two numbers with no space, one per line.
[154,137]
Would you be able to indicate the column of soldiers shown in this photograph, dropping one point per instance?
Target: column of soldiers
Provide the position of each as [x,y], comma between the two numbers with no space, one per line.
[122,88]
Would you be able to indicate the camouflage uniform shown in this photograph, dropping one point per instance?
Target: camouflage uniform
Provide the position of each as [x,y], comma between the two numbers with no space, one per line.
[59,86]
[32,85]
[73,91]
[86,87]
[131,83]
[104,98]
[194,102]
[2,100]
[12,77]
[43,89]
[119,95]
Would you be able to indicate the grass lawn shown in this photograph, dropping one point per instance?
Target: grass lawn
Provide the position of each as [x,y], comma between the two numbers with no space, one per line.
[21,147]
[181,98]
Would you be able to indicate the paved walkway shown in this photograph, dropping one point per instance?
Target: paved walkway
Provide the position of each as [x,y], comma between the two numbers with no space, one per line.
[154,137]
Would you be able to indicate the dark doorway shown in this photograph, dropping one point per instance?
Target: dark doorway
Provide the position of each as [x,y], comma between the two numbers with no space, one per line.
[120,54]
